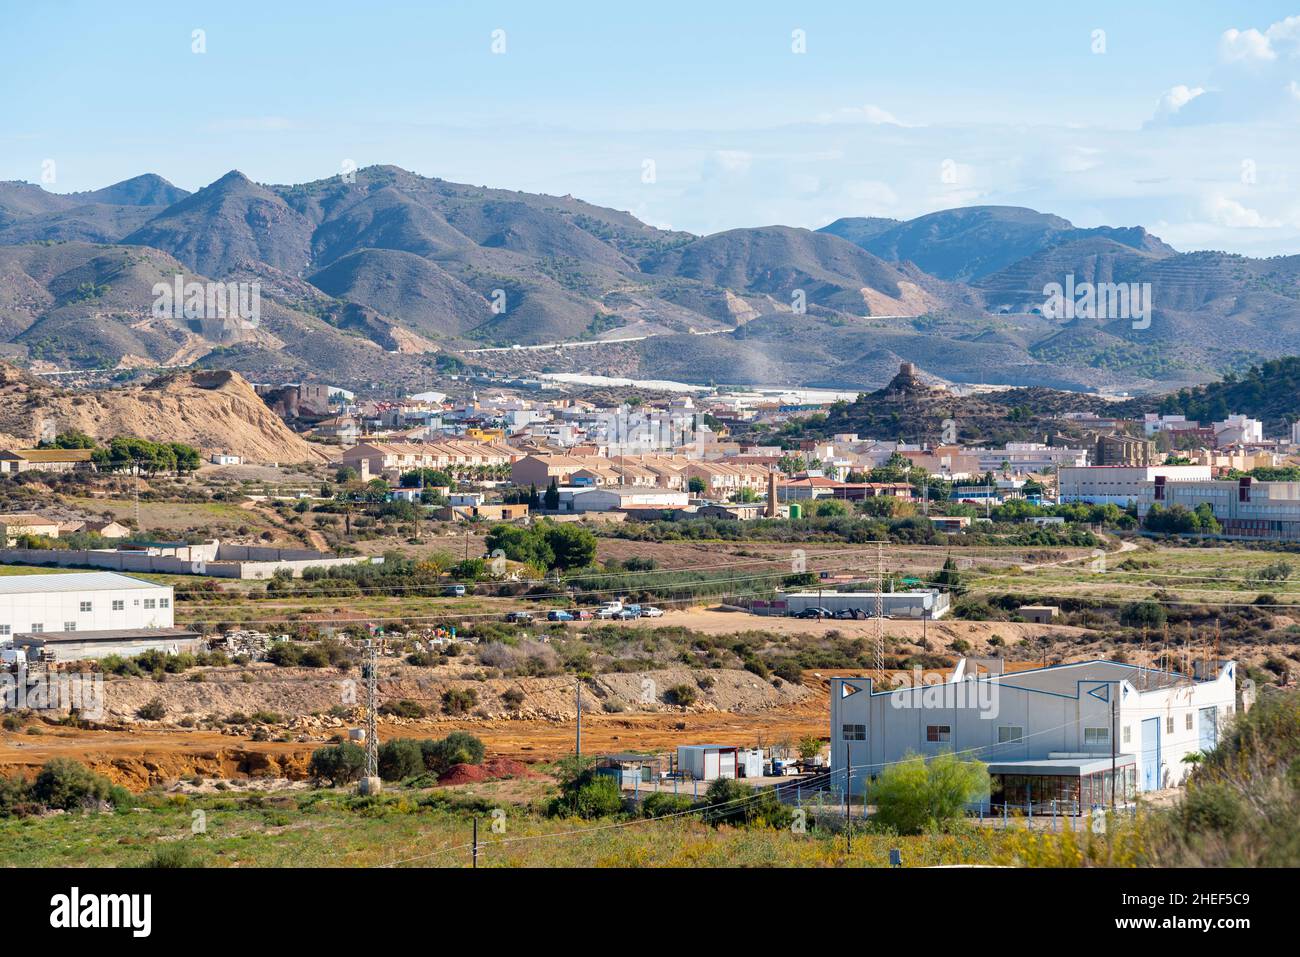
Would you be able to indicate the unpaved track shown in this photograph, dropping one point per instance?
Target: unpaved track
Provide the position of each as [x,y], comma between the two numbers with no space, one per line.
[715,621]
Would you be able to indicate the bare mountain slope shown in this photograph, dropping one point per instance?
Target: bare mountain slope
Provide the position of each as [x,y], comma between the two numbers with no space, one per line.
[210,410]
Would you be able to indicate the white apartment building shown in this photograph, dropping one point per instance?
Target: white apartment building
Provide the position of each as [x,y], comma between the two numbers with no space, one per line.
[1120,485]
[1025,457]
[1153,423]
[1238,430]
[1057,737]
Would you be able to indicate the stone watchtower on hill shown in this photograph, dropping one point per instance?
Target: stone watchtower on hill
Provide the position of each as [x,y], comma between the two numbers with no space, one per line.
[906,381]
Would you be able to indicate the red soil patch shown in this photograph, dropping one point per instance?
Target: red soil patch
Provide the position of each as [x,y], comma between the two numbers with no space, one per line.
[464,774]
[490,770]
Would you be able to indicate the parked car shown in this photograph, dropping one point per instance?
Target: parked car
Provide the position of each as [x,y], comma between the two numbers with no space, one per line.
[650,611]
[848,614]
[559,614]
[583,614]
[818,613]
[519,617]
[454,591]
[609,611]
[628,613]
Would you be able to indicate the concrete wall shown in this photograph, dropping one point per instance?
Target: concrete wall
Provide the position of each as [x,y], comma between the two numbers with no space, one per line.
[224,567]
[90,650]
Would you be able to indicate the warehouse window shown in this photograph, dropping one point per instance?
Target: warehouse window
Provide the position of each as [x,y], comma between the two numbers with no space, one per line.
[164,602]
[1008,733]
[1096,737]
[1128,734]
[150,603]
[1189,721]
[85,606]
[119,605]
[854,732]
[1169,724]
[938,733]
[69,626]
[5,630]
[37,628]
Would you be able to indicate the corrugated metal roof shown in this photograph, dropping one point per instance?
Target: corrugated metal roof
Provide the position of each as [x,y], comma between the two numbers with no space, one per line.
[117,634]
[73,581]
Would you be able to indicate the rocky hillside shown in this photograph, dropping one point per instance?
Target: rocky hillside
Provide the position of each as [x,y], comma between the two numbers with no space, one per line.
[214,411]
[910,409]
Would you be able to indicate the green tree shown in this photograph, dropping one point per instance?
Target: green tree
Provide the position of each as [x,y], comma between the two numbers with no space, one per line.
[950,578]
[915,795]
[338,764]
[400,758]
[459,747]
[65,784]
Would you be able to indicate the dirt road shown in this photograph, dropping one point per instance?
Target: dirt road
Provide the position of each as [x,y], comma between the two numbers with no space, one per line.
[716,621]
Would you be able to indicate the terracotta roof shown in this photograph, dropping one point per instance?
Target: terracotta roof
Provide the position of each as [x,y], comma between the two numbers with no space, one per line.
[53,455]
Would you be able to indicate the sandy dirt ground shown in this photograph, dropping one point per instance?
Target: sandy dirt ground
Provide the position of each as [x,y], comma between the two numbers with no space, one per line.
[719,621]
[144,755]
[140,758]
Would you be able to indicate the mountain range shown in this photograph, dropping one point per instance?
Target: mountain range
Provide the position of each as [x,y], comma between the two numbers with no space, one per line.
[387,279]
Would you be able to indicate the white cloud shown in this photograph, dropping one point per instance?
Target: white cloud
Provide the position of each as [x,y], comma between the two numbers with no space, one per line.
[869,113]
[1228,212]
[734,161]
[1245,45]
[1176,98]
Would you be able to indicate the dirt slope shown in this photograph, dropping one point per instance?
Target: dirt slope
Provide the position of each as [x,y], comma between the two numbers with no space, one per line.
[212,410]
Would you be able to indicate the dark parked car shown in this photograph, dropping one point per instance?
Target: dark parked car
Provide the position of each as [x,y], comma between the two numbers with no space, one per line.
[519,617]
[817,613]
[559,614]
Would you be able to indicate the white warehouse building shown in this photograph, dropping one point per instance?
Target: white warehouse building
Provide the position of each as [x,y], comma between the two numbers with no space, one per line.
[1054,738]
[88,615]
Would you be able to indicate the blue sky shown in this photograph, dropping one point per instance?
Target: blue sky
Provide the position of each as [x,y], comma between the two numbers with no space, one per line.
[1182,117]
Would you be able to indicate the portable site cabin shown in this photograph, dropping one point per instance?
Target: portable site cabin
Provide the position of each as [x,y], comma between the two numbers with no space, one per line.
[630,769]
[707,762]
[749,763]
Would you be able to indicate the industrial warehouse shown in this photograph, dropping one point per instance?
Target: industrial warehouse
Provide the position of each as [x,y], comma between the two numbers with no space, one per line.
[68,617]
[1059,737]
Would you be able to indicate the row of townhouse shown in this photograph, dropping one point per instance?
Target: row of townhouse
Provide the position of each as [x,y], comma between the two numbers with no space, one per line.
[674,472]
[394,458]
[639,471]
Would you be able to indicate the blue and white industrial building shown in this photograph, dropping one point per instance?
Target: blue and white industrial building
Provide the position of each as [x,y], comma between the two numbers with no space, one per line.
[1054,737]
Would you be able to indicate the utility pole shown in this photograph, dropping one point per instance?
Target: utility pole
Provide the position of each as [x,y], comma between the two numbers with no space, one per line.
[880,611]
[372,723]
[577,743]
[476,841]
[1114,696]
[848,794]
